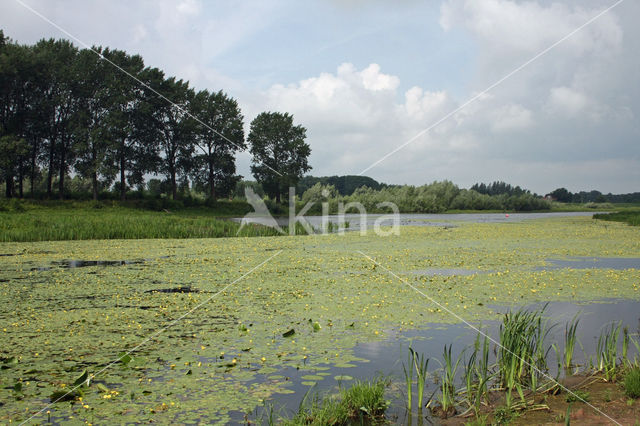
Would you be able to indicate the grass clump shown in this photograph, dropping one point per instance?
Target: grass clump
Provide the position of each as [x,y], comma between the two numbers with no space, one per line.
[632,383]
[578,395]
[361,403]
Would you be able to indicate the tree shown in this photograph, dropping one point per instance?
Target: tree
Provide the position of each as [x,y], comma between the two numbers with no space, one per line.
[280,155]
[57,106]
[12,149]
[90,130]
[219,136]
[125,123]
[562,195]
[173,124]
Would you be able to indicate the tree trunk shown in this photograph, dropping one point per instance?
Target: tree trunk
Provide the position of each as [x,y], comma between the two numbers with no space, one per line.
[94,174]
[20,178]
[9,185]
[50,171]
[94,181]
[33,168]
[123,188]
[174,191]
[278,196]
[212,185]
[63,167]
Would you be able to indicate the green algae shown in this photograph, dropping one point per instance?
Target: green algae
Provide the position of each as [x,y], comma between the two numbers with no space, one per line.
[57,323]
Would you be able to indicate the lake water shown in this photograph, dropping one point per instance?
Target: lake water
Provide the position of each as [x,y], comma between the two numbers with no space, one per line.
[416,219]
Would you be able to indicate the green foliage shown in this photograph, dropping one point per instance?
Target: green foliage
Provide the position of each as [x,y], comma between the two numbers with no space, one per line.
[345,185]
[280,154]
[498,188]
[632,383]
[578,395]
[437,197]
[219,136]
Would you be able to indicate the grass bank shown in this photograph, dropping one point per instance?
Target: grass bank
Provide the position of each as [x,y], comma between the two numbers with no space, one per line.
[82,221]
[631,217]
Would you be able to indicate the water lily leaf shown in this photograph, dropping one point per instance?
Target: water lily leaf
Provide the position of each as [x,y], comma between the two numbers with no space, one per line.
[102,388]
[63,395]
[309,383]
[289,333]
[125,358]
[343,378]
[84,379]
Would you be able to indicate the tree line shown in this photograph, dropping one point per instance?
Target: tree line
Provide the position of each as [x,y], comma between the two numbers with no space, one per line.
[103,115]
[563,195]
[436,197]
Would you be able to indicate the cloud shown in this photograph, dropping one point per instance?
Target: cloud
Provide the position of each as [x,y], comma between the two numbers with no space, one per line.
[530,26]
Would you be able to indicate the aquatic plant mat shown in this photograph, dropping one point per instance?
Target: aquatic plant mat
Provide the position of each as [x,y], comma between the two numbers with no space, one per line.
[303,311]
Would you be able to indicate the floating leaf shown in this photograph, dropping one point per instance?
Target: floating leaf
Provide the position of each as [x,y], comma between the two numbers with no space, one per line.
[84,379]
[102,388]
[342,378]
[62,395]
[312,377]
[125,358]
[17,387]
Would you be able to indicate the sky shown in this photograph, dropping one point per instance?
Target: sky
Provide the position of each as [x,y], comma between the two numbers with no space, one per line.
[463,90]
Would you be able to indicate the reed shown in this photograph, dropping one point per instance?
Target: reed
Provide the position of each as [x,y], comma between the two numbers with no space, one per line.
[570,343]
[607,351]
[448,385]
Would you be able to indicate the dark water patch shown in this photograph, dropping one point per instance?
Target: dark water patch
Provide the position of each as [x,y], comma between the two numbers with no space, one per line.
[73,263]
[580,262]
[183,289]
[446,271]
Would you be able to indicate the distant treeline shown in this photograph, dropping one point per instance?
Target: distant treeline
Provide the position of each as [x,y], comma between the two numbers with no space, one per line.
[345,185]
[565,196]
[436,197]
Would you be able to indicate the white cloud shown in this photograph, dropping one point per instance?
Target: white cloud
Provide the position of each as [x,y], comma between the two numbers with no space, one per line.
[567,101]
[511,117]
[530,26]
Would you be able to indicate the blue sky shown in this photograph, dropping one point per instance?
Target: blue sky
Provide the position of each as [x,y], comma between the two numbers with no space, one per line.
[364,77]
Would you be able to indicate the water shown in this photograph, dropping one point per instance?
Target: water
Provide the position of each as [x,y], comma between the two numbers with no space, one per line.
[386,357]
[579,262]
[418,219]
